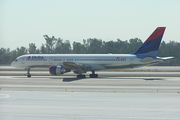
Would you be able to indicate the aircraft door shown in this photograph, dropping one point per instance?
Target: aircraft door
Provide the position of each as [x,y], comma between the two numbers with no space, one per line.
[131,61]
[23,60]
[51,61]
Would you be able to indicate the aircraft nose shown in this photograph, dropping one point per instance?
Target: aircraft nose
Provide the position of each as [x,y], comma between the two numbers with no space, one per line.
[12,64]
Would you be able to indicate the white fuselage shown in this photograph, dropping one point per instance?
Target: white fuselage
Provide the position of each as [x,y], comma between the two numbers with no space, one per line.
[95,61]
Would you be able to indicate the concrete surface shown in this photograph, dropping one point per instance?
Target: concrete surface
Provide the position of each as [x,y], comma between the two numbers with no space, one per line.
[69,98]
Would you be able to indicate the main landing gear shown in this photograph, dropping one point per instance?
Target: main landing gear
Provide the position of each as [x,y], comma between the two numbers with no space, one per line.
[28,72]
[93,75]
[81,76]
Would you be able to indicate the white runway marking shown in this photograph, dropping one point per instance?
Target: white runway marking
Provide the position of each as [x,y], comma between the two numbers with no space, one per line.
[4,96]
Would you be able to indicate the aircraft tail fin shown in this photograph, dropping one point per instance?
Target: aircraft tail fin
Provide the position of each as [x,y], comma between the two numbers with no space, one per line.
[151,45]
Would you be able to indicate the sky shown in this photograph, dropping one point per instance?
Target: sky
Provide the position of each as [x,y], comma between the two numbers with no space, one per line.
[26,21]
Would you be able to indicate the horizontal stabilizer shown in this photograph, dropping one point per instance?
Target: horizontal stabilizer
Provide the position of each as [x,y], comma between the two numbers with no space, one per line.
[149,59]
[164,58]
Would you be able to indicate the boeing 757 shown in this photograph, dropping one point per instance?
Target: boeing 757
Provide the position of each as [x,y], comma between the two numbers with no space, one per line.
[59,64]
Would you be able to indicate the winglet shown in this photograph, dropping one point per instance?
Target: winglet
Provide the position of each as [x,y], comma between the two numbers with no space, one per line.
[151,45]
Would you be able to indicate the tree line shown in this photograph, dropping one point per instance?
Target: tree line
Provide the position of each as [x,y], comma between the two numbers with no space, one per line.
[89,46]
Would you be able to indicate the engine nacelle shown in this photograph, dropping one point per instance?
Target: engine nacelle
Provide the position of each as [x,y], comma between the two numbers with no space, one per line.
[57,70]
[75,72]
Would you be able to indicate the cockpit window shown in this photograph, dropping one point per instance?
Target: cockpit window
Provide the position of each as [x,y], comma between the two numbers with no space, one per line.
[16,60]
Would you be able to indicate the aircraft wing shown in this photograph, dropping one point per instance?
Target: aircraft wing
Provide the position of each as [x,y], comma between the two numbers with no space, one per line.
[74,65]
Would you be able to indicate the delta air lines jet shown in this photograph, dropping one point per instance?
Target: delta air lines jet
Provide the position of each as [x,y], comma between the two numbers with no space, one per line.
[81,63]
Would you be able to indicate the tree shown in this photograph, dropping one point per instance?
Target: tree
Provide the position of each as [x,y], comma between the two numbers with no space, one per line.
[43,49]
[32,48]
[90,46]
[94,46]
[7,56]
[50,42]
[21,51]
[78,48]
[62,48]
[67,47]
[134,44]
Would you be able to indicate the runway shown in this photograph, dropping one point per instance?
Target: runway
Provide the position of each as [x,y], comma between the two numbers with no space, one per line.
[101,84]
[111,98]
[88,106]
[150,71]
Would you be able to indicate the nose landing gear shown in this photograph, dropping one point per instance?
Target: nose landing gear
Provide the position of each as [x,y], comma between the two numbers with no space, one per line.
[28,72]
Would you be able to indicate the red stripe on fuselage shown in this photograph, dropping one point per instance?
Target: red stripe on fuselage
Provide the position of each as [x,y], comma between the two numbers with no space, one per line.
[50,69]
[157,33]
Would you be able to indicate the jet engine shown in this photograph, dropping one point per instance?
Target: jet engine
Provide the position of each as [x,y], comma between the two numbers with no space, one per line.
[57,70]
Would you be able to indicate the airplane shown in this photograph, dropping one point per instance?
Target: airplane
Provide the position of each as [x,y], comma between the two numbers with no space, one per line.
[81,63]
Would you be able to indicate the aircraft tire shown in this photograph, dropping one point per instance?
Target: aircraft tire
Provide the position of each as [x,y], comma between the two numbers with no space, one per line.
[28,76]
[93,75]
[81,76]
